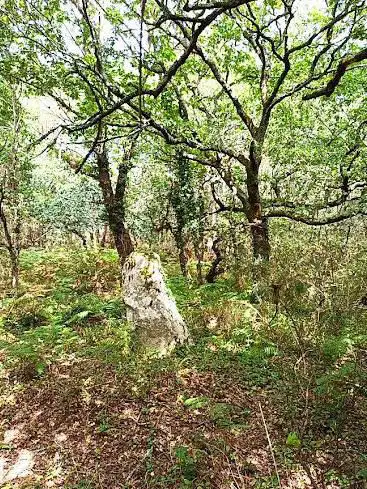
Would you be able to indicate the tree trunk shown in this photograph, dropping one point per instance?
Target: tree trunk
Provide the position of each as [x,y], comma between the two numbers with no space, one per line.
[115,204]
[82,238]
[199,255]
[199,238]
[14,259]
[103,240]
[182,255]
[260,238]
[216,268]
[15,266]
[122,238]
[12,245]
[183,262]
[258,224]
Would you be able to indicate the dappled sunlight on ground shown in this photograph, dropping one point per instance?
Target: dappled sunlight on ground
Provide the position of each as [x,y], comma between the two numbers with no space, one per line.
[80,408]
[89,426]
[76,430]
[20,468]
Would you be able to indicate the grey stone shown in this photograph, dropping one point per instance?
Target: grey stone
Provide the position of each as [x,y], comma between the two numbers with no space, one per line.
[150,308]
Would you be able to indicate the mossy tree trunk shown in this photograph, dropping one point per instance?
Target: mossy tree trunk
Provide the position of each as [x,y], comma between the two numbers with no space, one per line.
[114,201]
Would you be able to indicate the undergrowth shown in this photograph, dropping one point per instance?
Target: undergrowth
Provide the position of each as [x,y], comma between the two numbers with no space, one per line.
[307,351]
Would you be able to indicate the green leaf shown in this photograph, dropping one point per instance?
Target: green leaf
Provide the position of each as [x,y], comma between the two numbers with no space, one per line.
[362,474]
[77,317]
[40,368]
[196,402]
[293,441]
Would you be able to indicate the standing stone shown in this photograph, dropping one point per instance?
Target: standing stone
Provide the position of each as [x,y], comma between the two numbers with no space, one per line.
[151,309]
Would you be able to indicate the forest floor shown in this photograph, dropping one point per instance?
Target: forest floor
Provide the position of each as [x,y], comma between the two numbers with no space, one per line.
[248,405]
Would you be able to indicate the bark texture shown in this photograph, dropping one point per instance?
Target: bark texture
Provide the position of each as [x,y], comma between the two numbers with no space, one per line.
[258,224]
[12,244]
[151,309]
[114,202]
[215,268]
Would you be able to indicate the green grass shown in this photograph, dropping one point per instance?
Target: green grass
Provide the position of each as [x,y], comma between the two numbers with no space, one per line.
[70,310]
[74,307]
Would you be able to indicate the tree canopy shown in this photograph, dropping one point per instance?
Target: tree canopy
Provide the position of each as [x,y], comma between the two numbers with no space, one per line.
[229,84]
[183,268]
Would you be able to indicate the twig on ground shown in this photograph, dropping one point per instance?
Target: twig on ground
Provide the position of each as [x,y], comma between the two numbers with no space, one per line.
[270,444]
